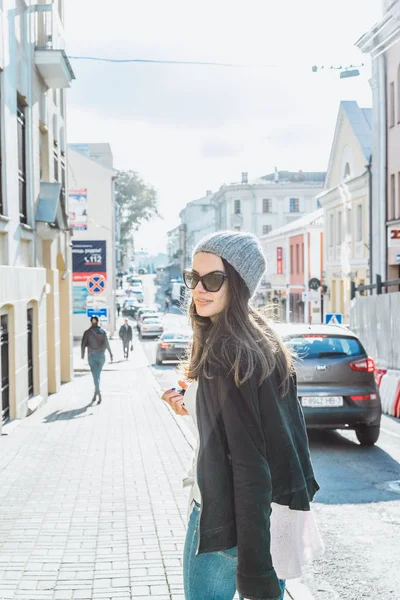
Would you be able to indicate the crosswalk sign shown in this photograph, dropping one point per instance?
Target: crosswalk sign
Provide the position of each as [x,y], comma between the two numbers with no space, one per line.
[333,319]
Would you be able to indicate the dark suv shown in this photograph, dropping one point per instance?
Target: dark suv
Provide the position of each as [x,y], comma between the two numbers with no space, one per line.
[336,383]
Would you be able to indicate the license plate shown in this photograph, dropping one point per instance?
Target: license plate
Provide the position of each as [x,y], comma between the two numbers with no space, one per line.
[180,345]
[322,401]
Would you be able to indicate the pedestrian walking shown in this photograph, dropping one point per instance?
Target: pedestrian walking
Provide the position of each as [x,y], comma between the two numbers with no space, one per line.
[250,527]
[96,341]
[118,309]
[166,306]
[125,333]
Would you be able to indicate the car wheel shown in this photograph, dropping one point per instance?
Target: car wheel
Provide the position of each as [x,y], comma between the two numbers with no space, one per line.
[368,435]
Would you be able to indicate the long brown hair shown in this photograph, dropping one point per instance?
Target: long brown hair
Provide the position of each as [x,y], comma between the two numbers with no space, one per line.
[240,340]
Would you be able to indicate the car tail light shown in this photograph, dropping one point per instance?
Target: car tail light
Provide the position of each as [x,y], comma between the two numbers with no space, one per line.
[364,397]
[145,328]
[164,345]
[366,365]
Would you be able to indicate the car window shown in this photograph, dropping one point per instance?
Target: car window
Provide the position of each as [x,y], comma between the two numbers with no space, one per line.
[176,336]
[152,322]
[315,346]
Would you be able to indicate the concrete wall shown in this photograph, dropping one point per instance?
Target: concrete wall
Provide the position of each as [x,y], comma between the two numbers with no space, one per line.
[376,320]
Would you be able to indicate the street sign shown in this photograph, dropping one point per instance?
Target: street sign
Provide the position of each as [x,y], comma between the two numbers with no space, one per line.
[333,319]
[314,283]
[100,312]
[96,284]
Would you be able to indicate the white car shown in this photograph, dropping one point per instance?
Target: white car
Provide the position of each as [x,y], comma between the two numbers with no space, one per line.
[151,328]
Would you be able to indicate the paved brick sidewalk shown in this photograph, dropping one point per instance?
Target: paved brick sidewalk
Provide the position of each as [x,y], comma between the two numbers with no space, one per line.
[91,503]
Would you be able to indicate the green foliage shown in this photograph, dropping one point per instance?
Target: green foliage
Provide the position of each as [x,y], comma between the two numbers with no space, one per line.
[137,202]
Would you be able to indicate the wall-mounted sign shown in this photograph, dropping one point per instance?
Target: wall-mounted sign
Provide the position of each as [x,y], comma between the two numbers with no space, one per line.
[88,258]
[78,207]
[394,236]
[314,283]
[279,261]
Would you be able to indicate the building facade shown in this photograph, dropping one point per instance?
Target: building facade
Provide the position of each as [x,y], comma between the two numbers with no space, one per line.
[382,42]
[267,203]
[35,257]
[92,215]
[295,256]
[345,202]
[198,219]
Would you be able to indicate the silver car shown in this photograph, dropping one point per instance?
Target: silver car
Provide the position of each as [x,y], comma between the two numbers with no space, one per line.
[336,382]
[151,328]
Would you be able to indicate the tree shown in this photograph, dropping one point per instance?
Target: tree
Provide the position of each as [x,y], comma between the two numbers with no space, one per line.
[137,202]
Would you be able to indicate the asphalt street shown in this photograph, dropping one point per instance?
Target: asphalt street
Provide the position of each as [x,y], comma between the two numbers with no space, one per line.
[358,506]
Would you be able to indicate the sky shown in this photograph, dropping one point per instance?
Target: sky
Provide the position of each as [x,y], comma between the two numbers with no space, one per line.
[187,129]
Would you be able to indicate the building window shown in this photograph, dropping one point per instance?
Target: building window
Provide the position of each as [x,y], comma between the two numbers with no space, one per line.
[267,229]
[347,171]
[297,259]
[391,105]
[359,233]
[62,193]
[23,209]
[348,224]
[294,205]
[267,205]
[237,207]
[331,230]
[392,198]
[55,159]
[30,352]
[291,259]
[5,368]
[339,229]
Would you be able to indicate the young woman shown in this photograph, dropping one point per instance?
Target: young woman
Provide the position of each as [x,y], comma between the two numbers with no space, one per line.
[250,526]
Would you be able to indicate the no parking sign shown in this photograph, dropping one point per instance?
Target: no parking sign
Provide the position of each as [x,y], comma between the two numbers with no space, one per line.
[96,284]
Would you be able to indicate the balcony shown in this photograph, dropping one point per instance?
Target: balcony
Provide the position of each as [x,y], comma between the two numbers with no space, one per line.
[50,57]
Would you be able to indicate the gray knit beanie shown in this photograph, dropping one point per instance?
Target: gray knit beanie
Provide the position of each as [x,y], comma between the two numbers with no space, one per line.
[241,250]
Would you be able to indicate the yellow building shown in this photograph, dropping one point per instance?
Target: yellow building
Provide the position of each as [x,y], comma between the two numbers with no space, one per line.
[345,202]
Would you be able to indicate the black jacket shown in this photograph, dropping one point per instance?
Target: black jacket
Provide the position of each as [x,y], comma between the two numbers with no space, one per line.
[96,341]
[125,333]
[253,451]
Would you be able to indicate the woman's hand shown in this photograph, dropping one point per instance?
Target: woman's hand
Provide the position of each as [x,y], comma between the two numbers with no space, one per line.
[175,400]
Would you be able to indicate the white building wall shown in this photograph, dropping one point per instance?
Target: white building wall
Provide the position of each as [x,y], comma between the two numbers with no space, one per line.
[86,173]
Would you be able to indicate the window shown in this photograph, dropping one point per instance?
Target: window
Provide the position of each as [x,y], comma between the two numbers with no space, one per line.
[267,205]
[291,259]
[347,171]
[392,198]
[309,348]
[331,230]
[237,207]
[267,229]
[297,259]
[5,368]
[294,205]
[55,159]
[359,234]
[348,222]
[391,105]
[30,351]
[23,212]
[339,228]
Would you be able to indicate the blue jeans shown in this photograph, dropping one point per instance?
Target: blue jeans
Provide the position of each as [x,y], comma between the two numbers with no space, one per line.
[96,363]
[209,576]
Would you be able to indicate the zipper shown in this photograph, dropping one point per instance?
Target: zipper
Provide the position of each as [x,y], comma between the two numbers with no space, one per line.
[197,476]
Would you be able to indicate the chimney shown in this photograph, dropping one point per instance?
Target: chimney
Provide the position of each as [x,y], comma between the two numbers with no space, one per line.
[245,177]
[208,192]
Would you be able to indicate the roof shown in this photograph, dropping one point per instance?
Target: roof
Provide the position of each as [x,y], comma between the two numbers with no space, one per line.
[297,176]
[361,123]
[302,328]
[300,223]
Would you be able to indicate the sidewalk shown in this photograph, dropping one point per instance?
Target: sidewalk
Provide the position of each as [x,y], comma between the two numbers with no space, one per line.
[91,502]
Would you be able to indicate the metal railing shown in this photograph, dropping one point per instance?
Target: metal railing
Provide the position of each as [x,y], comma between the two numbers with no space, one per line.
[379,285]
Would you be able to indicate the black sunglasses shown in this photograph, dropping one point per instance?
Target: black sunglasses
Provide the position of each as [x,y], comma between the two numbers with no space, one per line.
[211,282]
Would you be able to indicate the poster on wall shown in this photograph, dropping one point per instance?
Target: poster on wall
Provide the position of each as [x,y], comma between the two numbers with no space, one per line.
[79,299]
[88,259]
[78,207]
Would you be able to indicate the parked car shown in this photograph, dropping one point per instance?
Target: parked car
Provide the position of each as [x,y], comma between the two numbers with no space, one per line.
[151,328]
[145,309]
[130,307]
[336,383]
[172,346]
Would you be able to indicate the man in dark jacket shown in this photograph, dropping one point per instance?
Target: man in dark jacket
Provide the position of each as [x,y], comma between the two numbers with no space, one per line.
[96,341]
[125,333]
